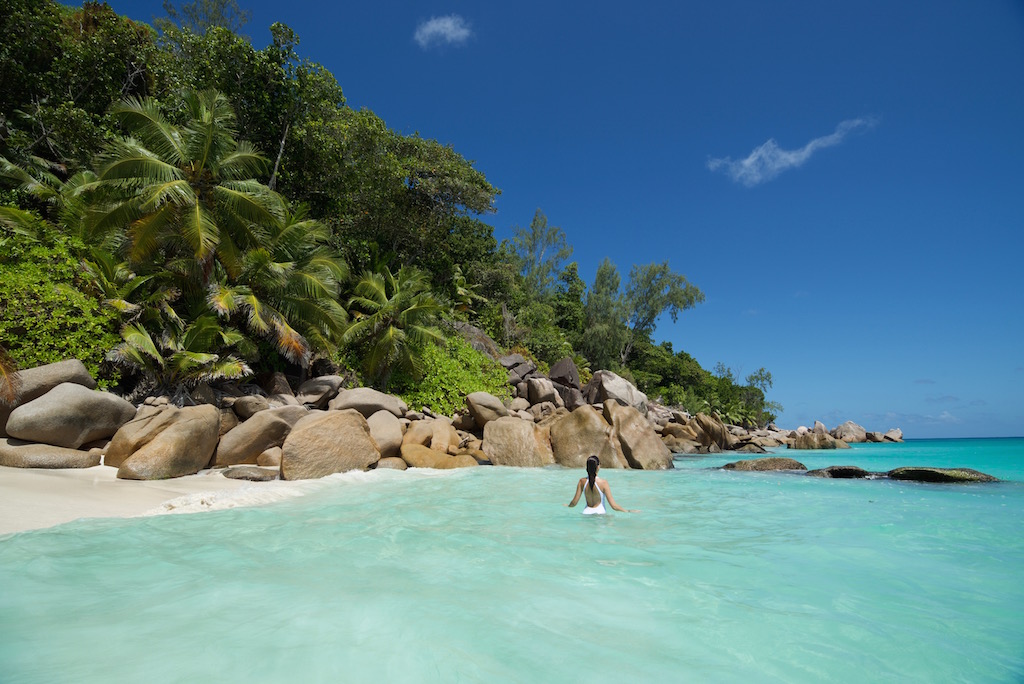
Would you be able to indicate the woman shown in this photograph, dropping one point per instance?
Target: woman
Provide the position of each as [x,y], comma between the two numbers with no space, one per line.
[595,490]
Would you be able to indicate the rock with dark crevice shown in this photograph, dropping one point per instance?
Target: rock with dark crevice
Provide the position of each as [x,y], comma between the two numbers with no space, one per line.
[840,472]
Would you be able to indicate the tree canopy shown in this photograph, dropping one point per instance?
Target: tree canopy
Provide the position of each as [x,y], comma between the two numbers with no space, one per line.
[199,205]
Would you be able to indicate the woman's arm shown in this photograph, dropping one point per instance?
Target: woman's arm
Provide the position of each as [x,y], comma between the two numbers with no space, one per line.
[611,500]
[579,490]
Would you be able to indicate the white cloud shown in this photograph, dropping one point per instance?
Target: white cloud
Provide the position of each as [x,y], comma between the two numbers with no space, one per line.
[769,160]
[449,30]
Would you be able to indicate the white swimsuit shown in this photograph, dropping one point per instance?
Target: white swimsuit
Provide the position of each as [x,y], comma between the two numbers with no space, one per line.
[599,508]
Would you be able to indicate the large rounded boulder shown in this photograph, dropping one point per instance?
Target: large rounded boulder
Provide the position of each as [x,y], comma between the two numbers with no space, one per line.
[262,431]
[712,431]
[15,453]
[183,444]
[368,401]
[516,442]
[581,434]
[605,385]
[640,444]
[485,407]
[386,430]
[69,416]
[322,444]
[850,432]
[35,382]
[317,392]
[817,440]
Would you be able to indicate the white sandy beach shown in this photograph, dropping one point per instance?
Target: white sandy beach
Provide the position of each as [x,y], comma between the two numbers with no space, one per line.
[32,498]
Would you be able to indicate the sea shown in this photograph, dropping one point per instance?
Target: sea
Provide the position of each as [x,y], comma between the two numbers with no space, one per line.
[483,574]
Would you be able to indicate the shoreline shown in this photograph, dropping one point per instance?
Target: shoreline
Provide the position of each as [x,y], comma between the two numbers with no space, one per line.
[35,498]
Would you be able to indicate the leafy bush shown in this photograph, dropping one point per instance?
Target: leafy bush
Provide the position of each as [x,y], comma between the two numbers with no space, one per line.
[450,372]
[45,313]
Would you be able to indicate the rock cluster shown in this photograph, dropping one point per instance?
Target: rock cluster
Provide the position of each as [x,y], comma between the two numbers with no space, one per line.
[913,474]
[322,427]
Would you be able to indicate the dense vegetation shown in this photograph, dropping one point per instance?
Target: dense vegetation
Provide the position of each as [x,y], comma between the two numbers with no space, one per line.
[181,207]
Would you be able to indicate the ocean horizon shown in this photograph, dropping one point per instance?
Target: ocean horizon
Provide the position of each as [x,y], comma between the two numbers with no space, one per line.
[482,573]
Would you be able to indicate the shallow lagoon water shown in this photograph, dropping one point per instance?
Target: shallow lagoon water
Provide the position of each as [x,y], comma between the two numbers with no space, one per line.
[483,574]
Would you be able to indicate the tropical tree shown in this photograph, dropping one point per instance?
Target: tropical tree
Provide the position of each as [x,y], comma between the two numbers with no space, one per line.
[605,327]
[197,216]
[291,278]
[185,191]
[541,249]
[393,316]
[181,356]
[652,290]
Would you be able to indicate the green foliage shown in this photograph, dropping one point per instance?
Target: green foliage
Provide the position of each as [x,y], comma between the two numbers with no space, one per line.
[200,15]
[393,316]
[47,312]
[200,222]
[541,250]
[605,328]
[207,248]
[450,372]
[570,314]
[60,68]
[652,290]
[182,355]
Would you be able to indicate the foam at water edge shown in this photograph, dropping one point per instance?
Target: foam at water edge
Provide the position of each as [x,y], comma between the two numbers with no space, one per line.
[280,490]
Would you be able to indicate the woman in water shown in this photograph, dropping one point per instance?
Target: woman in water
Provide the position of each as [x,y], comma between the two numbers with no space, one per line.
[595,490]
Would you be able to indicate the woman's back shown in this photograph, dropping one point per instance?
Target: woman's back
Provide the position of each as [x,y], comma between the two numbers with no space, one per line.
[593,496]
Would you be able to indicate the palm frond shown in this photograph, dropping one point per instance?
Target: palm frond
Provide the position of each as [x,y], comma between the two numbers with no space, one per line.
[200,231]
[144,118]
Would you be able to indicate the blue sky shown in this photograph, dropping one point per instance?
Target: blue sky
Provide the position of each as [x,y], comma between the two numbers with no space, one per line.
[843,180]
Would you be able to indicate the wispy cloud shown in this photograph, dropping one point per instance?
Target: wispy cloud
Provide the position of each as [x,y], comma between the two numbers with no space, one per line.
[896,418]
[769,160]
[449,30]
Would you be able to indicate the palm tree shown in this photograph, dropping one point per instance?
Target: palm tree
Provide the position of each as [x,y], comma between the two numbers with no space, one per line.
[393,316]
[223,241]
[181,357]
[291,276]
[188,191]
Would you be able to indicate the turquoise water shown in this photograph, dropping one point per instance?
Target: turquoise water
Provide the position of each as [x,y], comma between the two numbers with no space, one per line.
[482,574]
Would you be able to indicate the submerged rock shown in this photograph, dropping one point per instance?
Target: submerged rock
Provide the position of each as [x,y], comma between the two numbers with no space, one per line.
[765,464]
[921,474]
[840,472]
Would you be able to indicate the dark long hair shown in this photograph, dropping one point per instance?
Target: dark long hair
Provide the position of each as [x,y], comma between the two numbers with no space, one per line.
[592,464]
